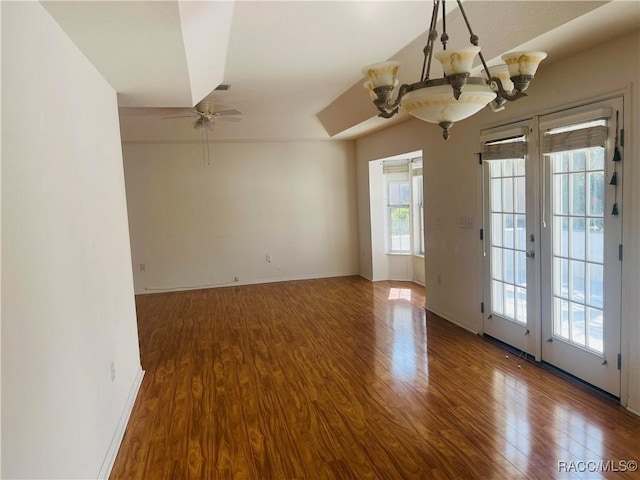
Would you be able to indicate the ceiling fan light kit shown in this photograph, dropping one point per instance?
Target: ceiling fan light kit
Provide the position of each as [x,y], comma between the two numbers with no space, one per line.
[204,122]
[458,95]
[206,115]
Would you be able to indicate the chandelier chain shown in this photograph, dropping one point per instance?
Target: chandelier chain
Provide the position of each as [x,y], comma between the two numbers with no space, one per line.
[428,49]
[444,38]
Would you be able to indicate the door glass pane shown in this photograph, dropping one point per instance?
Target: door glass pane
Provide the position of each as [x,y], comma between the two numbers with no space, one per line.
[595,240]
[496,229]
[577,241]
[595,273]
[577,323]
[578,200]
[577,194]
[521,269]
[508,239]
[507,194]
[496,263]
[496,193]
[509,301]
[595,159]
[521,232]
[595,319]
[561,200]
[578,160]
[509,268]
[521,305]
[561,237]
[520,191]
[507,168]
[561,277]
[576,281]
[595,191]
[561,318]
[561,163]
[509,230]
[497,297]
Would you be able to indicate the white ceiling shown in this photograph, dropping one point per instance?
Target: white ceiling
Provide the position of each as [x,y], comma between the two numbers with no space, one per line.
[295,66]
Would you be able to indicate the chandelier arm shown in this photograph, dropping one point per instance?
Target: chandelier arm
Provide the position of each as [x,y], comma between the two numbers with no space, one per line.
[496,83]
[383,102]
[428,49]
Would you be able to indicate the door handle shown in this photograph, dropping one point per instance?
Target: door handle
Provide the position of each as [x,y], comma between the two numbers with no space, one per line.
[531,254]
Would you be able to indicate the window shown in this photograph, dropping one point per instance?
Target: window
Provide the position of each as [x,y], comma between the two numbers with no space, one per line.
[403,198]
[418,207]
[399,221]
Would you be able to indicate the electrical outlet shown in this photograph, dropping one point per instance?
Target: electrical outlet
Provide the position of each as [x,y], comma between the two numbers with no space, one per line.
[143,267]
[113,371]
[236,279]
[268,258]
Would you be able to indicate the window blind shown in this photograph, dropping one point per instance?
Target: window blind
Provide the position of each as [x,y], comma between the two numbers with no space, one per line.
[505,148]
[401,166]
[575,137]
[416,167]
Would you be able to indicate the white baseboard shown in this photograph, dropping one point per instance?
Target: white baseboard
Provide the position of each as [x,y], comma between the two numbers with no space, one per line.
[112,452]
[453,320]
[255,281]
[634,411]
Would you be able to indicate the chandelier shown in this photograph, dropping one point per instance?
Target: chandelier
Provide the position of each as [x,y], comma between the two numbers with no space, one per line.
[458,95]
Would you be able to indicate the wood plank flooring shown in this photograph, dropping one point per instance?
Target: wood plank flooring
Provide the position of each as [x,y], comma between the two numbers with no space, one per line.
[345,379]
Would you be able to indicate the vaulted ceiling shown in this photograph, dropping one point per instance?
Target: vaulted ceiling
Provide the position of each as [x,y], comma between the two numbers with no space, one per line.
[294,67]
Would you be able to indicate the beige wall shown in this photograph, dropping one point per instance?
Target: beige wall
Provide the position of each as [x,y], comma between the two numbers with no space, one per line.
[194,224]
[452,187]
[68,309]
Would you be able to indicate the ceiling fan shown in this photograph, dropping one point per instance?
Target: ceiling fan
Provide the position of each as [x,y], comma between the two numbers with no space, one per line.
[206,115]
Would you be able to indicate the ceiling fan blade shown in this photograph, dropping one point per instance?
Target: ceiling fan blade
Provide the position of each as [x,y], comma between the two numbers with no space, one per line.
[154,112]
[229,119]
[179,116]
[222,113]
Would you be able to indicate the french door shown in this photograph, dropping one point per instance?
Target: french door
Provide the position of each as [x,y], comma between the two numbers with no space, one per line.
[511,275]
[582,240]
[552,255]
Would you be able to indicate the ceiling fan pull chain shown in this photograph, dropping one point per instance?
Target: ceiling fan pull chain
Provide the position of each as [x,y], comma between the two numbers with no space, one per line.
[204,159]
[208,152]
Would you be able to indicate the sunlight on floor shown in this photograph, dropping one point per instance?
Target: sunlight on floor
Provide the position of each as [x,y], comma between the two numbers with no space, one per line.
[400,294]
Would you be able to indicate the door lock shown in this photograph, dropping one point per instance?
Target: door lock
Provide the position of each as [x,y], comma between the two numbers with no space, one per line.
[531,254]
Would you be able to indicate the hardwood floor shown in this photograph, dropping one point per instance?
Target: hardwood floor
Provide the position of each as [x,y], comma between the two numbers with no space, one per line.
[343,379]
